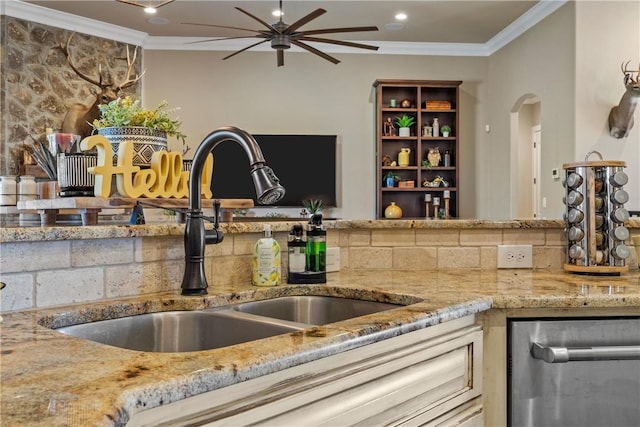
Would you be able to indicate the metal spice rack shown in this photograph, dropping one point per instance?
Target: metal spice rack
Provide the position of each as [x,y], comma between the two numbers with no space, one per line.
[595,216]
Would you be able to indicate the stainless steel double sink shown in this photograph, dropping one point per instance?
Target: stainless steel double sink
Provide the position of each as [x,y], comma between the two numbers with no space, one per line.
[182,331]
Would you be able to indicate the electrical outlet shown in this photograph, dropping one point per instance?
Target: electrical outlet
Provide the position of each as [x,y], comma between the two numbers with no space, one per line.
[515,256]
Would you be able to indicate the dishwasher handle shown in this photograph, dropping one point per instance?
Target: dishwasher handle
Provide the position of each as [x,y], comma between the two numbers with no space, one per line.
[571,354]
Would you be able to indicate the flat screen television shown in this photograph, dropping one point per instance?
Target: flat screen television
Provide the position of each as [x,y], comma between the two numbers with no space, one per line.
[305,164]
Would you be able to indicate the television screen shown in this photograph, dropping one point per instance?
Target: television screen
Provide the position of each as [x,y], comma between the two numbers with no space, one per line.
[305,164]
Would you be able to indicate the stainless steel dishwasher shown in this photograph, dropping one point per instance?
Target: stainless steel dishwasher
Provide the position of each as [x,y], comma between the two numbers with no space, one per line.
[574,372]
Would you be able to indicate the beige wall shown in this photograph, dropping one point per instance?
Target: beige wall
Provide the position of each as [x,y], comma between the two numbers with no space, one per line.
[540,62]
[310,95]
[567,61]
[607,33]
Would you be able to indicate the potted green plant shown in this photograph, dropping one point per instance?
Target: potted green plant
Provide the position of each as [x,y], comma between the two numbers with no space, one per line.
[446,130]
[390,179]
[404,123]
[313,206]
[126,119]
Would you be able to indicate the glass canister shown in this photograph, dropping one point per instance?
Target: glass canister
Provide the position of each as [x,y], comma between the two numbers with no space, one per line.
[8,190]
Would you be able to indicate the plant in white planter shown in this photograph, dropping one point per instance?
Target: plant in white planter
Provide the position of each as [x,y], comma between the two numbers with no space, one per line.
[446,130]
[404,123]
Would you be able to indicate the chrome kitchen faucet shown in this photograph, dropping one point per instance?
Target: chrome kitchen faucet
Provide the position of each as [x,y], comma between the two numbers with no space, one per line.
[268,190]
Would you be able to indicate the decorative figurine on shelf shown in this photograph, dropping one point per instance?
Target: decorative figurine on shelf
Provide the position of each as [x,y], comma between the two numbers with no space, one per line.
[386,160]
[405,103]
[388,129]
[434,156]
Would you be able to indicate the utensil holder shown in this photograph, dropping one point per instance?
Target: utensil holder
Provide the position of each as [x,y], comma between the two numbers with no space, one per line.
[73,177]
[595,216]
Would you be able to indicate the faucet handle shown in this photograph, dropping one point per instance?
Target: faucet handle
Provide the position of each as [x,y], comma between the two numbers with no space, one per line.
[216,213]
[214,236]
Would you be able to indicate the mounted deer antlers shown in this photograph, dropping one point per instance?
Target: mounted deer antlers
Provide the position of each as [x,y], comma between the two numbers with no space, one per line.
[79,116]
[621,116]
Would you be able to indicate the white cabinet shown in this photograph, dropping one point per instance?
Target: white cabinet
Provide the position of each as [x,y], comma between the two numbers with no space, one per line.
[428,377]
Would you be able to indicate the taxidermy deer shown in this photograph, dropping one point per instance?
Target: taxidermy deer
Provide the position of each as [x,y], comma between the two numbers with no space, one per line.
[79,116]
[621,116]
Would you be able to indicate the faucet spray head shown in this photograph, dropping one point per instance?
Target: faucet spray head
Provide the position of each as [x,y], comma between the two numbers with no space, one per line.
[268,188]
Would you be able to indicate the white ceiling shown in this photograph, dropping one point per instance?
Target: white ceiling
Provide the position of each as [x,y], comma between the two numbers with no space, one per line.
[472,24]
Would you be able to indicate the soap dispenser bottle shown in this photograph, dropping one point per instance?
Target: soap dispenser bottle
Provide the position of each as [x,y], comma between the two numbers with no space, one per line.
[317,249]
[296,250]
[266,260]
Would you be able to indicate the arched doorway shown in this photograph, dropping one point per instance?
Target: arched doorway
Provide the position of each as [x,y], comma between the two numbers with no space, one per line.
[526,146]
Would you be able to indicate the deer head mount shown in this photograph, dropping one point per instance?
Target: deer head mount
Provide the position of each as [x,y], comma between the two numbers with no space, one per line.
[80,116]
[621,116]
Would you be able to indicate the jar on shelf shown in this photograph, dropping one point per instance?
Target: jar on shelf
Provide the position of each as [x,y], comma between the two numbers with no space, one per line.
[436,127]
[8,190]
[27,188]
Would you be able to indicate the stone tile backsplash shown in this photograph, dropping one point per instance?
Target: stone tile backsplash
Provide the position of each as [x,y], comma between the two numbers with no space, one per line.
[76,271]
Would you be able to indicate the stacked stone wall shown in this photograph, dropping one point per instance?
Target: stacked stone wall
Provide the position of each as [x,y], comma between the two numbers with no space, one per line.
[38,85]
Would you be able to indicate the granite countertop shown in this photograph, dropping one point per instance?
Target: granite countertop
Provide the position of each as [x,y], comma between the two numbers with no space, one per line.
[110,231]
[50,379]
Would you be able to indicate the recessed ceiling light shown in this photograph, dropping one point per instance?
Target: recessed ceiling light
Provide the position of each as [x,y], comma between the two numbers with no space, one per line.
[401,16]
[156,20]
[394,26]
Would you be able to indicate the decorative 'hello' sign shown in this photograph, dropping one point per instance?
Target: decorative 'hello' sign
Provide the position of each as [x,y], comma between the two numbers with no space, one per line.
[165,179]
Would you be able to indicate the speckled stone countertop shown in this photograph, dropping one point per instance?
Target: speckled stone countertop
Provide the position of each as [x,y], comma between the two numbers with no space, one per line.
[50,379]
[38,234]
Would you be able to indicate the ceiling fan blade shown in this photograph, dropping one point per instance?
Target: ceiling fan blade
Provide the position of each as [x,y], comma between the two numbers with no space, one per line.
[222,38]
[339,42]
[305,19]
[314,50]
[280,56]
[270,27]
[220,26]
[244,49]
[340,30]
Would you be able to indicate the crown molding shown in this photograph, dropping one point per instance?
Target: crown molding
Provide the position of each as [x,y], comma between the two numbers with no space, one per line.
[42,15]
[521,25]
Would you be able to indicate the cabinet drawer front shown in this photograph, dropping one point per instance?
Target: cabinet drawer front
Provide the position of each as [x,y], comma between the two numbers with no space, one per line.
[422,373]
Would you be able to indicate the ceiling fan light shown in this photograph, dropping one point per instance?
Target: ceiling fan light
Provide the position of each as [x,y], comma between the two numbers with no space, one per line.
[281,41]
[150,10]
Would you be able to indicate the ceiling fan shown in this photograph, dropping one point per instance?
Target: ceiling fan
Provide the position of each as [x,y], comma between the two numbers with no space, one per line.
[282,35]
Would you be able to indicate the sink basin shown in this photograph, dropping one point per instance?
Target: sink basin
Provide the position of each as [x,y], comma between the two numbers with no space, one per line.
[182,331]
[313,310]
[178,331]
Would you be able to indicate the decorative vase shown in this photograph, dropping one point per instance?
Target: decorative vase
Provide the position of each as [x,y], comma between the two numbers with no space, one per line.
[436,127]
[393,211]
[145,142]
[403,157]
[389,181]
[404,132]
